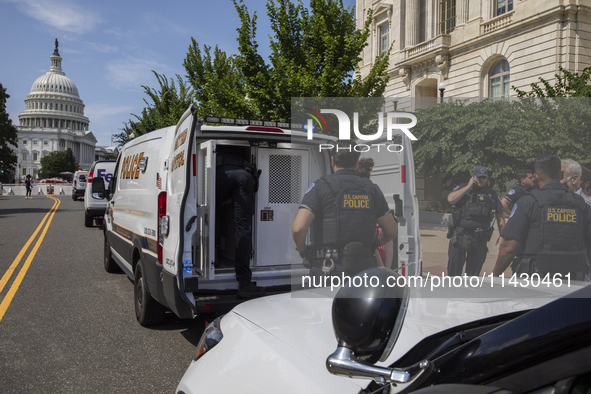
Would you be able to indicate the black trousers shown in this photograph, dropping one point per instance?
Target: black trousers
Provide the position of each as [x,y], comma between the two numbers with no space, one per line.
[474,257]
[237,183]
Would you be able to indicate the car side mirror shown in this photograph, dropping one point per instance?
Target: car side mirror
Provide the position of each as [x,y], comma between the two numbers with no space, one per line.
[98,188]
[367,321]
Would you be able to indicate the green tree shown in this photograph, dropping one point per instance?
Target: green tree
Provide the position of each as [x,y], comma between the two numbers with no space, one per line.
[455,137]
[56,162]
[166,108]
[218,85]
[8,136]
[568,84]
[314,53]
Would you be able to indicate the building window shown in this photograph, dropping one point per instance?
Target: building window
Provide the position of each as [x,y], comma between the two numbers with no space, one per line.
[502,6]
[24,171]
[499,84]
[35,156]
[384,38]
[45,143]
[35,142]
[24,156]
[25,142]
[448,16]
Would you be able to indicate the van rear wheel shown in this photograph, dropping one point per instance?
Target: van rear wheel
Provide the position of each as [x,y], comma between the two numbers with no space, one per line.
[88,220]
[110,264]
[147,310]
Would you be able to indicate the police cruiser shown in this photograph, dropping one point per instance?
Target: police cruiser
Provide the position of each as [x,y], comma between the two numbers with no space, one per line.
[160,221]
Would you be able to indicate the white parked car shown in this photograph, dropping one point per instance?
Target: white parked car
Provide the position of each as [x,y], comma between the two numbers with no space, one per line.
[518,339]
[79,184]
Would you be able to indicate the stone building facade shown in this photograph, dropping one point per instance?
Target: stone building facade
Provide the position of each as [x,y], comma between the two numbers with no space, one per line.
[53,120]
[473,48]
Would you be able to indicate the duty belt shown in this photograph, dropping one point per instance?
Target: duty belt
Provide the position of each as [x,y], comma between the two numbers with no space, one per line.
[478,233]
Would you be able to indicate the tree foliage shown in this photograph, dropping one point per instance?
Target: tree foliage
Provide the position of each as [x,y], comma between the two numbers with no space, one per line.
[218,85]
[8,135]
[568,84]
[314,53]
[56,162]
[166,108]
[504,136]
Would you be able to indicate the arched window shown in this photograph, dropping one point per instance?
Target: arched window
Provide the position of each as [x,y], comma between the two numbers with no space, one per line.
[499,79]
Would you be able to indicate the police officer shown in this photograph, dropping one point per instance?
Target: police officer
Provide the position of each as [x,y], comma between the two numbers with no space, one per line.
[235,180]
[554,226]
[525,180]
[342,209]
[474,205]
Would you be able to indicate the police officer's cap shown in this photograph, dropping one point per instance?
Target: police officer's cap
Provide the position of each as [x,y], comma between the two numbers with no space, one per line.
[481,171]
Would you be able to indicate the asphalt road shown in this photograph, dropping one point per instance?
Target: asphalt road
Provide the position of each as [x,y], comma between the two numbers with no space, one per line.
[70,326]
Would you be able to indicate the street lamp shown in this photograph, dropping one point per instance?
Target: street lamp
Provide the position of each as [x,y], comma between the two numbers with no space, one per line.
[19,173]
[441,89]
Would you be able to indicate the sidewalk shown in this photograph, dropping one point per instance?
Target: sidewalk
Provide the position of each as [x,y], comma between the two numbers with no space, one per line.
[435,245]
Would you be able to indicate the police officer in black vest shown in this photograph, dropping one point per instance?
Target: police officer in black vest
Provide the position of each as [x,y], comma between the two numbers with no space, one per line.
[554,225]
[475,204]
[343,209]
[525,183]
[235,182]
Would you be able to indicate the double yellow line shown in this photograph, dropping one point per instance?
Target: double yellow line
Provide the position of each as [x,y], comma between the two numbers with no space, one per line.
[17,282]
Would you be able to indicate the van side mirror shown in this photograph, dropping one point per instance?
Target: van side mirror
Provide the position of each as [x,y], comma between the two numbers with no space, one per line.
[98,188]
[367,322]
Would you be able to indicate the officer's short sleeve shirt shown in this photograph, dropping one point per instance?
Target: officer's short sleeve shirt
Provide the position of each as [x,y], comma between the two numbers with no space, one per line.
[516,193]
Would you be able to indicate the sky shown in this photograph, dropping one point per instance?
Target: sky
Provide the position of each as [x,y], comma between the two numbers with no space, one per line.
[110,47]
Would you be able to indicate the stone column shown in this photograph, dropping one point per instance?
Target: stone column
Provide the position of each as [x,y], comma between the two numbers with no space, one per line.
[486,9]
[412,23]
[461,12]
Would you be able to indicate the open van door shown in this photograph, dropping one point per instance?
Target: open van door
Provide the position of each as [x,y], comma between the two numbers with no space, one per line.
[393,172]
[205,258]
[175,233]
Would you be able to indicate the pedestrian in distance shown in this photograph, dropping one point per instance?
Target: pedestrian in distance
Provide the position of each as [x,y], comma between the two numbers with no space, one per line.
[525,179]
[475,205]
[342,208]
[29,187]
[385,252]
[552,224]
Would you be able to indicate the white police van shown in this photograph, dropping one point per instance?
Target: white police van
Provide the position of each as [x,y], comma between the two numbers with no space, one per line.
[161,213]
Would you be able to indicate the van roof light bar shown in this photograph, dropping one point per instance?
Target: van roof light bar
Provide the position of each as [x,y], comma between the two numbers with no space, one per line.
[251,122]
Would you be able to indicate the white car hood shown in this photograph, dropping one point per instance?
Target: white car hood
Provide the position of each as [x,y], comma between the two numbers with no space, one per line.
[303,319]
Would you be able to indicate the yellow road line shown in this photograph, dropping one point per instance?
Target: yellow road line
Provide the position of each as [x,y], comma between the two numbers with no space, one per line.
[17,282]
[18,258]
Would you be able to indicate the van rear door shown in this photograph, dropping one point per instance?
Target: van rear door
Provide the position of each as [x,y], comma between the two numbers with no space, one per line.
[394,173]
[174,229]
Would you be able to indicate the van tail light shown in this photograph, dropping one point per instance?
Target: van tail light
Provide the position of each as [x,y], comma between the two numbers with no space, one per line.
[162,222]
[89,178]
[403,173]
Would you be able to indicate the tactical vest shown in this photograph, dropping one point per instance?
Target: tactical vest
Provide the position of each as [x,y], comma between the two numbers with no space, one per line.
[353,219]
[478,208]
[555,239]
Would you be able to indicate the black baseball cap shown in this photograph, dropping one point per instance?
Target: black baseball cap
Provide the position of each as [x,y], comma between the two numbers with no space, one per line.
[481,171]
